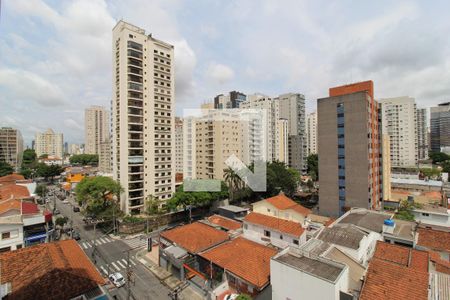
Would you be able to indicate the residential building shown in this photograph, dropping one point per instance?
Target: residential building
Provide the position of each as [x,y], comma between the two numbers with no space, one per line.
[282,207]
[179,145]
[386,148]
[349,149]
[399,123]
[232,100]
[48,271]
[208,105]
[269,230]
[435,239]
[75,149]
[143,116]
[429,214]
[422,133]
[104,157]
[11,146]
[66,148]
[224,223]
[440,127]
[292,108]
[241,264]
[49,143]
[233,212]
[311,132]
[283,141]
[96,128]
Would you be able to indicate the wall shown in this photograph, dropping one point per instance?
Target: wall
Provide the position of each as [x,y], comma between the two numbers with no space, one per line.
[265,208]
[432,219]
[256,233]
[11,242]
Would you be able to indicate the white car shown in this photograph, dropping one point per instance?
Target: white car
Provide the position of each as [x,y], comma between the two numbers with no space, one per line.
[66,202]
[231,297]
[117,279]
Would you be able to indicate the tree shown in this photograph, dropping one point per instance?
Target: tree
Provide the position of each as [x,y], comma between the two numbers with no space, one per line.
[438,157]
[29,157]
[313,166]
[243,297]
[84,159]
[41,190]
[61,221]
[152,206]
[43,170]
[5,169]
[233,180]
[184,199]
[43,156]
[281,178]
[96,195]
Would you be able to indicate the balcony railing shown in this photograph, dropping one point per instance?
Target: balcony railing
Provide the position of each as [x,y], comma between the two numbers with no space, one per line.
[135,86]
[138,128]
[135,54]
[134,62]
[134,45]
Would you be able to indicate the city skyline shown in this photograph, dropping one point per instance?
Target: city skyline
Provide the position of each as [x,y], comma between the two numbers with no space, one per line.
[64,76]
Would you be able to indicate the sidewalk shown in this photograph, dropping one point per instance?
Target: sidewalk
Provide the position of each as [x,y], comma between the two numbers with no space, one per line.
[167,279]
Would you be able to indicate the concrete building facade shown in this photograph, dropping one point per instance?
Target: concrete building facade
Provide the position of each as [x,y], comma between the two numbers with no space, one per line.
[11,146]
[96,126]
[349,149]
[50,143]
[105,157]
[311,133]
[422,133]
[142,114]
[232,100]
[399,123]
[440,127]
[283,140]
[178,145]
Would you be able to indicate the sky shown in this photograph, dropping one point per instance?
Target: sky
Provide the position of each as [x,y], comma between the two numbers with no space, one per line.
[55,56]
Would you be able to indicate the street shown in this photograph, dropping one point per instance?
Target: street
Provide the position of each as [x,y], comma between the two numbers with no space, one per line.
[111,255]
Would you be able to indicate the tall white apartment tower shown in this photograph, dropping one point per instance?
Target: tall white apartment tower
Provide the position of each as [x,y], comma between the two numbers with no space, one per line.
[96,128]
[399,123]
[422,133]
[50,143]
[311,132]
[143,118]
[178,145]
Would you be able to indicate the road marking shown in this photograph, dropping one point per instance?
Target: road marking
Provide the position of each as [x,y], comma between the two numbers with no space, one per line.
[124,261]
[133,262]
[98,241]
[103,240]
[115,266]
[104,270]
[120,264]
[107,239]
[85,246]
[88,245]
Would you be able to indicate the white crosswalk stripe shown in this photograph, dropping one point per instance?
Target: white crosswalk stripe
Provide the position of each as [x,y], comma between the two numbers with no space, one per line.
[85,246]
[120,264]
[132,262]
[104,270]
[115,266]
[125,262]
[97,242]
[136,242]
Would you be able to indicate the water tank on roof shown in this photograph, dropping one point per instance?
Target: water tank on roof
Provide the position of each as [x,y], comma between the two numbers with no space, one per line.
[389,222]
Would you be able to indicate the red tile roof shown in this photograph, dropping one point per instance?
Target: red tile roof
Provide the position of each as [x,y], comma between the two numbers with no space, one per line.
[29,208]
[243,258]
[59,270]
[8,205]
[224,222]
[283,202]
[278,224]
[195,237]
[396,272]
[11,179]
[434,239]
[441,265]
[13,191]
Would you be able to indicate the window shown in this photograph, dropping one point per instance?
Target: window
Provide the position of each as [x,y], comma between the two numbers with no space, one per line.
[281,236]
[295,242]
[6,235]
[266,233]
[425,214]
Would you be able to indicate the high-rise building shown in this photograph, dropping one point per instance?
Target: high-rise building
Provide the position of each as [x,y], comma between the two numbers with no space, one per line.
[292,108]
[232,100]
[74,149]
[178,145]
[399,123]
[440,127]
[142,114]
[104,157]
[311,132]
[349,149]
[96,128]
[283,140]
[11,146]
[422,133]
[66,147]
[386,148]
[50,143]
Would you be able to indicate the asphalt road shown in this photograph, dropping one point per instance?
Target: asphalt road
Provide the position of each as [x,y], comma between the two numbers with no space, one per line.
[111,255]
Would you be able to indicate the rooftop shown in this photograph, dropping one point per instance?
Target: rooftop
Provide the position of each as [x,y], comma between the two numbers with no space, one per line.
[429,208]
[243,258]
[402,256]
[347,235]
[13,191]
[315,247]
[433,183]
[195,237]
[282,202]
[224,222]
[284,226]
[12,178]
[234,208]
[365,218]
[59,270]
[434,239]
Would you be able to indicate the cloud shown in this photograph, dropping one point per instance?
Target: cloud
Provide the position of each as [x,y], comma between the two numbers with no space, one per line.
[72,124]
[220,73]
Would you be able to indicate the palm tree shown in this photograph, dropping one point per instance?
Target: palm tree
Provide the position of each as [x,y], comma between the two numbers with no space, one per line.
[233,180]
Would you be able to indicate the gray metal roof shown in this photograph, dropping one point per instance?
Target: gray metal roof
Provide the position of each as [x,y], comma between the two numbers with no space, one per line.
[366,219]
[316,267]
[345,235]
[233,208]
[434,183]
[175,251]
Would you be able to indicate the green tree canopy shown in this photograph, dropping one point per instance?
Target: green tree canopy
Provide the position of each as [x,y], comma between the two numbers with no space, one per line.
[313,166]
[29,157]
[5,169]
[438,157]
[61,221]
[95,194]
[184,199]
[41,190]
[43,170]
[281,178]
[84,159]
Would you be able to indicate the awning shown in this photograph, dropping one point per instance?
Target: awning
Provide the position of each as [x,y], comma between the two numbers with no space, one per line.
[36,237]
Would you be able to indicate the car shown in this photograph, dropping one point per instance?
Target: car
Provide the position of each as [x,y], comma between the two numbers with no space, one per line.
[76,209]
[117,279]
[66,201]
[76,236]
[231,297]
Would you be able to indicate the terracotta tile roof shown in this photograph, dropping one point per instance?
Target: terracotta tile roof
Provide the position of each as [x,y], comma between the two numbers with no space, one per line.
[224,222]
[396,272]
[59,270]
[434,239]
[278,224]
[13,191]
[245,259]
[283,202]
[195,237]
[8,205]
[11,179]
[29,208]
[441,265]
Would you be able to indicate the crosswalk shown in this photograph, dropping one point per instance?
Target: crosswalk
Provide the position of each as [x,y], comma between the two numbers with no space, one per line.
[136,242]
[116,266]
[98,242]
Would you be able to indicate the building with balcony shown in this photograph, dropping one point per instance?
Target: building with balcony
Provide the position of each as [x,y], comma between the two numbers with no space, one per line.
[49,143]
[104,157]
[311,132]
[422,133]
[11,146]
[440,127]
[96,128]
[232,100]
[179,145]
[142,116]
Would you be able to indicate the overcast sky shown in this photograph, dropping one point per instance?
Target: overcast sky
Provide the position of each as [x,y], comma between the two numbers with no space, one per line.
[55,56]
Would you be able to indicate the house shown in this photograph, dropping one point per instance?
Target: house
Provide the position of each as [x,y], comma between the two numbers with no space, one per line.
[11,230]
[270,230]
[432,215]
[435,240]
[11,179]
[181,244]
[243,265]
[396,272]
[13,191]
[233,212]
[224,223]
[282,207]
[59,270]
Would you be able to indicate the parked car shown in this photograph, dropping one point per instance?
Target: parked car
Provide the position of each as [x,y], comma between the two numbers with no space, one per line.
[231,297]
[57,212]
[117,279]
[76,236]
[76,209]
[66,201]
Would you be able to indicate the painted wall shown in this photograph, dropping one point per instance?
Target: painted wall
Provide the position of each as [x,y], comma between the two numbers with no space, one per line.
[256,233]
